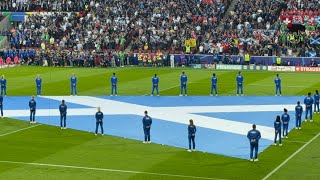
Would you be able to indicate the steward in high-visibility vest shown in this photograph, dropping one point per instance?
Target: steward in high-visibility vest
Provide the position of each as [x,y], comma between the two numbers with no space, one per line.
[188,49]
[247,58]
[278,60]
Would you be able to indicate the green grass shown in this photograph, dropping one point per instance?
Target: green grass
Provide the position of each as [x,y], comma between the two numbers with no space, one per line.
[50,145]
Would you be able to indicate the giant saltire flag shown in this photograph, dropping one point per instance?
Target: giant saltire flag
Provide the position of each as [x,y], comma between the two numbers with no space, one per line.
[315,40]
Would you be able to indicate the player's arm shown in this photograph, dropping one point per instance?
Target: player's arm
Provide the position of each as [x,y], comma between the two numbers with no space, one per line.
[259,135]
[248,136]
[305,101]
[144,121]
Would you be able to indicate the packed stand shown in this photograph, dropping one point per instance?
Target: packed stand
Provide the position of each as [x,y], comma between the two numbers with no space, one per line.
[43,5]
[167,24]
[101,27]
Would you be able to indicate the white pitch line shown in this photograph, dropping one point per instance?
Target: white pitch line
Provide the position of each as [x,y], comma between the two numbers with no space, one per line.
[106,169]
[19,130]
[284,162]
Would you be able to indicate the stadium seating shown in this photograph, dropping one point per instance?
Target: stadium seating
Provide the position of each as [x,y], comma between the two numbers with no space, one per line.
[254,26]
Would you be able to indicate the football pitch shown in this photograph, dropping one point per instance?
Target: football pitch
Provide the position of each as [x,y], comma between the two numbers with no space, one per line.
[40,151]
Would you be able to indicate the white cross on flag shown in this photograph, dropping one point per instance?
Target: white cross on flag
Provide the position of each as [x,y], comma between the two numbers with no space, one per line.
[287,20]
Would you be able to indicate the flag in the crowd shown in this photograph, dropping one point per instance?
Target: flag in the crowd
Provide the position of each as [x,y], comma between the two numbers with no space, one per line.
[310,28]
[317,19]
[311,21]
[249,41]
[312,54]
[240,41]
[297,19]
[315,40]
[224,39]
[287,21]
[264,34]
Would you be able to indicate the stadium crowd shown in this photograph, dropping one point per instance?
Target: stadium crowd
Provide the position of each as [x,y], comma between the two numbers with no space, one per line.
[87,27]
[44,5]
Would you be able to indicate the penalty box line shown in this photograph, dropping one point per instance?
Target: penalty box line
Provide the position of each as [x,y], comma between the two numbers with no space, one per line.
[106,169]
[5,134]
[290,157]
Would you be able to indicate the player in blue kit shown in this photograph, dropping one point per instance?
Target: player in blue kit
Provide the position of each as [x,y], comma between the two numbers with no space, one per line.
[1,105]
[308,101]
[191,135]
[99,121]
[239,80]
[155,84]
[277,128]
[39,85]
[277,82]
[299,110]
[32,106]
[285,118]
[214,81]
[114,85]
[316,102]
[146,122]
[183,84]
[3,82]
[254,136]
[73,81]
[63,114]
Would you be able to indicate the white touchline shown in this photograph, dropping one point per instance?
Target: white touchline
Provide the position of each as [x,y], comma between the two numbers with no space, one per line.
[290,157]
[106,169]
[20,130]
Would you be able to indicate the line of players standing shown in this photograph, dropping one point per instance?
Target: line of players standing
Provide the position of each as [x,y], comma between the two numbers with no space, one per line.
[281,124]
[253,135]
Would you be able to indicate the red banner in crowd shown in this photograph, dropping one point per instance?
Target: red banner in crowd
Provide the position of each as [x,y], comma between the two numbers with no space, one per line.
[307,69]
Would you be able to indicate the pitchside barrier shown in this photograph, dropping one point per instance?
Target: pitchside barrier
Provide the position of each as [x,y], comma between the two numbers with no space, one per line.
[257,67]
[179,59]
